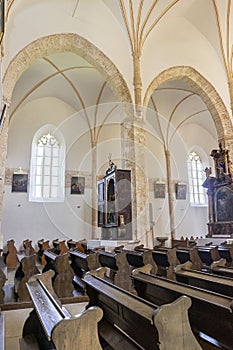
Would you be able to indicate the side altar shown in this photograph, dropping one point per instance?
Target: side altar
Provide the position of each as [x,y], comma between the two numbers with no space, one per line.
[114,204]
[220,195]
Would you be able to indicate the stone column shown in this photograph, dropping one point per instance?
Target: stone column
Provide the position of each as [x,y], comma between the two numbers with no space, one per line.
[3,153]
[94,192]
[170,193]
[133,146]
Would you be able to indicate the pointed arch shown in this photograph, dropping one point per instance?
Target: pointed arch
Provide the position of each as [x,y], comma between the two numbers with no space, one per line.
[57,43]
[205,90]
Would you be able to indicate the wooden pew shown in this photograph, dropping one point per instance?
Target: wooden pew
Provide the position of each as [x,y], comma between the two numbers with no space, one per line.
[3,279]
[166,260]
[117,265]
[43,245]
[64,274]
[75,245]
[26,269]
[226,252]
[130,323]
[220,268]
[50,326]
[82,263]
[211,314]
[189,254]
[60,247]
[10,257]
[28,249]
[208,254]
[186,274]
[2,331]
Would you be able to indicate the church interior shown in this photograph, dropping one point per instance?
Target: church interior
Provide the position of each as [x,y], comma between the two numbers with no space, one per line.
[116,173]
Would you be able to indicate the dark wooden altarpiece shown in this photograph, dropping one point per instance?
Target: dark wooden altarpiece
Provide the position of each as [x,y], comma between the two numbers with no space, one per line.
[114,204]
[220,195]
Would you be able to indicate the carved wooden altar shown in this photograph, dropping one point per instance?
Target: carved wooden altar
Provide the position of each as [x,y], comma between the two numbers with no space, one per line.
[220,195]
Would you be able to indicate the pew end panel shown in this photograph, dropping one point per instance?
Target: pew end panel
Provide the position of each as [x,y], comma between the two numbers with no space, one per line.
[210,315]
[51,327]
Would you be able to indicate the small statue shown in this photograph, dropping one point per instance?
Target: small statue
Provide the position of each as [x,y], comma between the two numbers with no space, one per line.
[111,166]
[208,171]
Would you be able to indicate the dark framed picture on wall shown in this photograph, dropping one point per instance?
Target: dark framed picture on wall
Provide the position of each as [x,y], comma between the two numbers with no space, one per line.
[77,185]
[181,191]
[19,182]
[159,189]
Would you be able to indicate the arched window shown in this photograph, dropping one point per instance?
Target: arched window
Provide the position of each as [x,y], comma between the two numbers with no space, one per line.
[47,175]
[196,179]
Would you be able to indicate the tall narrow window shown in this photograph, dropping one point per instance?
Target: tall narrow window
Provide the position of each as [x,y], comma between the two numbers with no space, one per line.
[47,166]
[196,179]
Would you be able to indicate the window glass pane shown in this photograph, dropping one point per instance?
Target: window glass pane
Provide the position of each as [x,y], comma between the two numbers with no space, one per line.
[38,180]
[46,180]
[55,161]
[47,161]
[38,191]
[55,171]
[40,150]
[47,151]
[39,161]
[54,192]
[54,181]
[46,191]
[196,179]
[38,170]
[47,170]
[55,152]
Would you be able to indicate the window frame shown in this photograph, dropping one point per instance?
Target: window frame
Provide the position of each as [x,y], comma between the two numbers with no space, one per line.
[200,181]
[45,130]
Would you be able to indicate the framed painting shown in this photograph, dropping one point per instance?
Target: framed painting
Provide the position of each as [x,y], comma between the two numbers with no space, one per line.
[159,190]
[77,185]
[19,183]
[181,191]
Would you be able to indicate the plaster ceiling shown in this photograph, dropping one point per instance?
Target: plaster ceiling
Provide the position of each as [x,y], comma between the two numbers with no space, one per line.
[70,78]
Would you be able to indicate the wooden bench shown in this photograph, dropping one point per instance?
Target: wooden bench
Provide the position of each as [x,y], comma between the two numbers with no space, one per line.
[131,323]
[211,314]
[64,274]
[220,268]
[27,268]
[28,248]
[60,247]
[75,245]
[10,257]
[82,263]
[50,325]
[2,331]
[3,279]
[226,252]
[189,254]
[218,284]
[43,245]
[208,254]
[166,260]
[118,267]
